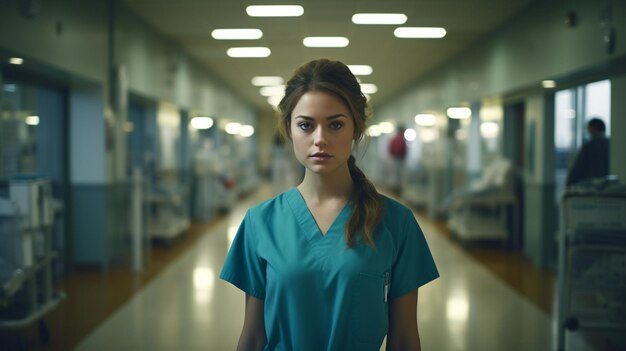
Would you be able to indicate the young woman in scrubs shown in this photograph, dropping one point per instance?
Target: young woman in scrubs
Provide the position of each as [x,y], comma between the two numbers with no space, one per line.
[330,264]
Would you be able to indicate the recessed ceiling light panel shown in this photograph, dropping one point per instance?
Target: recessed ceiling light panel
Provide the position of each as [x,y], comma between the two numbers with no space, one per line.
[261,81]
[275,11]
[237,34]
[32,120]
[379,18]
[274,100]
[386,127]
[201,122]
[361,70]
[425,119]
[420,32]
[246,131]
[232,128]
[272,90]
[326,42]
[459,112]
[249,52]
[369,88]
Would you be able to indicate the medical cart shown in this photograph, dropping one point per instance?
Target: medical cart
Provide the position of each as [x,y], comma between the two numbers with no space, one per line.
[592,262]
[26,256]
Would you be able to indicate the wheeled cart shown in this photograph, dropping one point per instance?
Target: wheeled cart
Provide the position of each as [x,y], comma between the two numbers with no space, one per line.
[28,296]
[592,263]
[168,214]
[26,258]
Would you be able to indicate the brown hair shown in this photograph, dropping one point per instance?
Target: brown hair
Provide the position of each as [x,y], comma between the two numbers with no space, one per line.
[335,78]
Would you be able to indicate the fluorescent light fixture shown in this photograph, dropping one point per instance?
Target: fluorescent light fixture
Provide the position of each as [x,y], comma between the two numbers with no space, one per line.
[16,60]
[386,127]
[326,42]
[246,131]
[261,81]
[201,122]
[548,84]
[360,70]
[410,134]
[459,112]
[489,129]
[274,10]
[425,119]
[249,52]
[10,88]
[369,88]
[233,128]
[374,131]
[379,18]
[273,90]
[274,100]
[237,34]
[32,120]
[419,32]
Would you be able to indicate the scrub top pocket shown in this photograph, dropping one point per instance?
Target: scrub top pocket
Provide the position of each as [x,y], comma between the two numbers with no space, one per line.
[370,318]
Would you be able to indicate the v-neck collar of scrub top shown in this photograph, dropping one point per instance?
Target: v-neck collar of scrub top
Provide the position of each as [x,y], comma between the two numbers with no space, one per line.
[305,218]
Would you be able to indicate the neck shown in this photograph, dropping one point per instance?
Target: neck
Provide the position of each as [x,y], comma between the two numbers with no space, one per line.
[319,187]
[597,135]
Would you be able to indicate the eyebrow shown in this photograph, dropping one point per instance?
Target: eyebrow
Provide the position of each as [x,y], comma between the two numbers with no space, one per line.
[339,115]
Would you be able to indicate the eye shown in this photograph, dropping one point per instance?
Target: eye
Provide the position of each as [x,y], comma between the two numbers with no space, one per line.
[304,125]
[336,125]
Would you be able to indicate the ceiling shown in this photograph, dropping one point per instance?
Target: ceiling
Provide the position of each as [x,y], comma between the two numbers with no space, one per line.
[397,63]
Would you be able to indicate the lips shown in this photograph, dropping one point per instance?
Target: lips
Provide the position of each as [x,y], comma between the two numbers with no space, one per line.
[320,156]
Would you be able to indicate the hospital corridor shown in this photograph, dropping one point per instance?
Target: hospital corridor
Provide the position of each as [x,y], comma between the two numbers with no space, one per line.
[484,300]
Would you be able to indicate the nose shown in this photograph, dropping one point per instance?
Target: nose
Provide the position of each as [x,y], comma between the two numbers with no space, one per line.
[320,137]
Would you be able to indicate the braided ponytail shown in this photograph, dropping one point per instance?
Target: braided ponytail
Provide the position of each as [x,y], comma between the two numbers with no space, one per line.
[367,207]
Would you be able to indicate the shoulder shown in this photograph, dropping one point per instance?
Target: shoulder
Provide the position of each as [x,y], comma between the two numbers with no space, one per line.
[270,206]
[597,141]
[394,208]
[399,226]
[395,214]
[595,145]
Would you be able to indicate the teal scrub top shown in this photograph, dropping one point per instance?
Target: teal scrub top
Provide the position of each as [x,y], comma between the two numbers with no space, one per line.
[318,293]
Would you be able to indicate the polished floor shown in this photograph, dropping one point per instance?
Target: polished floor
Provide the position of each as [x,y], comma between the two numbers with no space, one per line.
[486,299]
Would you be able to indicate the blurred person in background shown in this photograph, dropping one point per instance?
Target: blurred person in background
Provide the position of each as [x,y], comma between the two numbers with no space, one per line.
[397,151]
[592,160]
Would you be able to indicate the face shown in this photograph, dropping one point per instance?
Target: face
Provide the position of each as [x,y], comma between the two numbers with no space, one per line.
[322,130]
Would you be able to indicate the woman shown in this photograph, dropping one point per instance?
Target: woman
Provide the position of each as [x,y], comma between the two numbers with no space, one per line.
[330,264]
